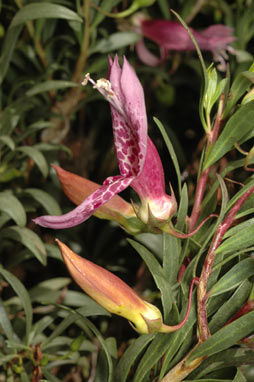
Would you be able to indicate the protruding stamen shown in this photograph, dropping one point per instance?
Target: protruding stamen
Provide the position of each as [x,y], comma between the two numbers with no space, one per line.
[105,88]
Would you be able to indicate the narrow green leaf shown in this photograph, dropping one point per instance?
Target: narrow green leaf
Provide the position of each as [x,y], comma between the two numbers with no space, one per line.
[8,49]
[219,89]
[241,192]
[4,360]
[24,377]
[92,309]
[9,174]
[8,141]
[86,323]
[227,358]
[66,322]
[239,125]
[171,152]
[49,85]
[239,273]
[225,337]
[238,88]
[46,200]
[182,209]
[28,238]
[43,10]
[209,380]
[39,327]
[5,322]
[232,304]
[157,273]
[12,206]
[9,118]
[163,4]
[115,41]
[178,342]
[53,252]
[239,377]
[50,377]
[23,295]
[231,166]
[106,5]
[163,344]
[37,157]
[236,230]
[203,70]
[130,355]
[154,352]
[171,253]
[243,239]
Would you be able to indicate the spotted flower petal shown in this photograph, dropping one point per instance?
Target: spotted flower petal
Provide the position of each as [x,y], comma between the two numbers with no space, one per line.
[87,207]
[77,189]
[129,123]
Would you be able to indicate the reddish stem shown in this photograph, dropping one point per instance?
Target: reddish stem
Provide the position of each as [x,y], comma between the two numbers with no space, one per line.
[196,210]
[246,308]
[207,268]
[201,185]
[169,329]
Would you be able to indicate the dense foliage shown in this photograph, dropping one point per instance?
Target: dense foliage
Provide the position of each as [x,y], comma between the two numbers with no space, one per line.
[201,119]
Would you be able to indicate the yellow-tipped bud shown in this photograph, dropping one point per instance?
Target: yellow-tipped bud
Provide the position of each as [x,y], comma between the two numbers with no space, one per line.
[111,292]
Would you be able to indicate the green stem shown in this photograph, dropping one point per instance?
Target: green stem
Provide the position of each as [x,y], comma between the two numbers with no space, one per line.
[182,369]
[37,43]
[133,8]
[85,44]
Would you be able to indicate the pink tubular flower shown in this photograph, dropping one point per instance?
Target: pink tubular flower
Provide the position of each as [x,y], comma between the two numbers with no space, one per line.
[139,163]
[171,35]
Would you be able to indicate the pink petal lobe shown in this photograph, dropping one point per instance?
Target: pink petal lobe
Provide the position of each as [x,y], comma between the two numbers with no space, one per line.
[129,118]
[145,55]
[217,37]
[173,36]
[150,186]
[77,188]
[169,34]
[150,183]
[86,208]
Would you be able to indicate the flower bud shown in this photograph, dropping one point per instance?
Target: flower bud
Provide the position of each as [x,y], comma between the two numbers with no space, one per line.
[111,292]
[116,209]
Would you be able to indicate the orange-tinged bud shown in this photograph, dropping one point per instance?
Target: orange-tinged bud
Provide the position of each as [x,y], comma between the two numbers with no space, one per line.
[77,189]
[111,292]
[116,209]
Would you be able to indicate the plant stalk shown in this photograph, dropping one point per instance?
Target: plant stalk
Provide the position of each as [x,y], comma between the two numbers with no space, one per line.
[202,294]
